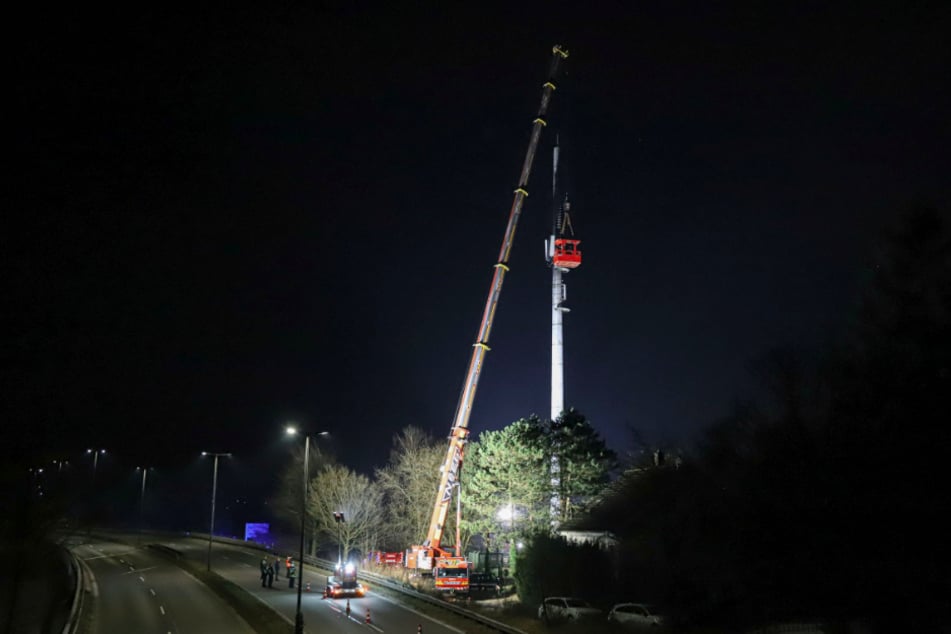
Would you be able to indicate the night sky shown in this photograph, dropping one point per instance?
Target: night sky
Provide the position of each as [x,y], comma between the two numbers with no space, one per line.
[226,219]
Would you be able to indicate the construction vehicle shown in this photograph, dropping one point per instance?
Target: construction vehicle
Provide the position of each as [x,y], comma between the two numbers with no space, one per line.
[381,558]
[344,583]
[451,574]
[430,555]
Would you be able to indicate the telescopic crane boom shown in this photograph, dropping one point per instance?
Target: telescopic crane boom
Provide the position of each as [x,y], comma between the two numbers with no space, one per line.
[422,556]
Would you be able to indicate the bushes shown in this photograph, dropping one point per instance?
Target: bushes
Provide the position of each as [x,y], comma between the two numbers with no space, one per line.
[551,566]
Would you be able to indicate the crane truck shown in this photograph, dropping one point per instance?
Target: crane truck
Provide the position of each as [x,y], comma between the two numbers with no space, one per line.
[450,570]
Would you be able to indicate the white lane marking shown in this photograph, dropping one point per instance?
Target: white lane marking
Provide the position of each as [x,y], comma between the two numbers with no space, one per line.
[140,570]
[162,609]
[131,568]
[141,578]
[106,556]
[152,590]
[373,626]
[121,560]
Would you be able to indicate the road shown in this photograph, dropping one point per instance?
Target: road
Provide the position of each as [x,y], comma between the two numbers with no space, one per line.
[241,565]
[138,591]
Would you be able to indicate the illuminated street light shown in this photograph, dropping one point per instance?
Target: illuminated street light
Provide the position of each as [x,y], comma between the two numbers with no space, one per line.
[509,513]
[214,489]
[292,430]
[92,486]
[145,473]
[95,462]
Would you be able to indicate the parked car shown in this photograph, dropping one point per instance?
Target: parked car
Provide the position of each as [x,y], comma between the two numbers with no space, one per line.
[635,614]
[565,608]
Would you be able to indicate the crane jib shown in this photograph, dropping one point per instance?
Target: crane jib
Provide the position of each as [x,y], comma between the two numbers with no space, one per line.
[449,477]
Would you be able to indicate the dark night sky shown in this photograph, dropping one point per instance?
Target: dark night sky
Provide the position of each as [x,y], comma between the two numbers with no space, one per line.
[226,219]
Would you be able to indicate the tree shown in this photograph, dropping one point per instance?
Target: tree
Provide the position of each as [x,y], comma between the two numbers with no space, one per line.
[408,483]
[823,505]
[888,430]
[508,469]
[584,461]
[346,506]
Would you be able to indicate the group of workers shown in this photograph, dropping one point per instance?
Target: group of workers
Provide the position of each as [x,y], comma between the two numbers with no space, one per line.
[271,570]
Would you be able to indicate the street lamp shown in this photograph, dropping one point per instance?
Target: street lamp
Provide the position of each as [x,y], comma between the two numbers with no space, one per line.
[214,489]
[145,472]
[509,512]
[292,430]
[95,462]
[92,487]
[339,519]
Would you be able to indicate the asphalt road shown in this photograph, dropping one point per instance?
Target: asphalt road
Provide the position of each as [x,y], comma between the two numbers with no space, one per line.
[138,591]
[242,566]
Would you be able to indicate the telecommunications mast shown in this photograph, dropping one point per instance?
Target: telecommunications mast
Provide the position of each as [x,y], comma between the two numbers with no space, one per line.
[563,254]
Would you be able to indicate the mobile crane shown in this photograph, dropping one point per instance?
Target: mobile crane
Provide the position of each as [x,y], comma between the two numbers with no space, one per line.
[451,568]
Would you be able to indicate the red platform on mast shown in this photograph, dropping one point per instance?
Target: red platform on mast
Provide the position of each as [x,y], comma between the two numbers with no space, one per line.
[567,253]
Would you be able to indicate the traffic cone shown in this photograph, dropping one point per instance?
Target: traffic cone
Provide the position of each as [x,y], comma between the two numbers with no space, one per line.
[419,629]
[368,617]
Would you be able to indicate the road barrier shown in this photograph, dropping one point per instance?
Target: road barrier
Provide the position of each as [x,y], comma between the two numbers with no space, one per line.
[79,594]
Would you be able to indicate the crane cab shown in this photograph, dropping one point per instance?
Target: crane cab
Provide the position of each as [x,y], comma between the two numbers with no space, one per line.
[567,253]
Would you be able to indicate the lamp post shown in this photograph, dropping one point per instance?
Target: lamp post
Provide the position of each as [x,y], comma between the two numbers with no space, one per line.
[508,512]
[214,490]
[293,431]
[95,462]
[92,487]
[145,473]
[339,519]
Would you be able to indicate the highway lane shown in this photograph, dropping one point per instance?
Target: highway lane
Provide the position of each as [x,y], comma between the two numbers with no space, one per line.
[241,565]
[138,591]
